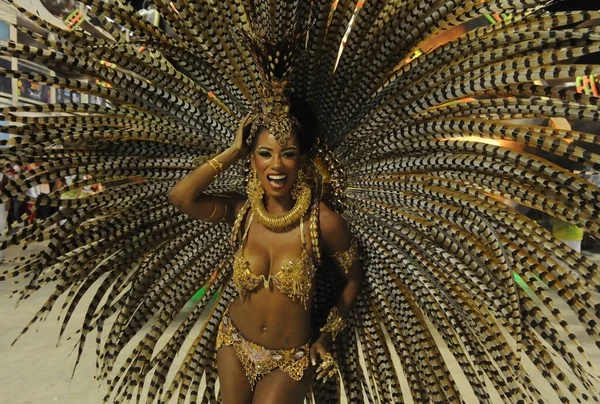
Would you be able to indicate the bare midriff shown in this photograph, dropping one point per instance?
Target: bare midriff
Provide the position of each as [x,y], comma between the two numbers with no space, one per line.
[273,313]
[271,319]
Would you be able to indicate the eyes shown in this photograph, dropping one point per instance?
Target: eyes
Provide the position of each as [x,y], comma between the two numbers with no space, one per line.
[288,154]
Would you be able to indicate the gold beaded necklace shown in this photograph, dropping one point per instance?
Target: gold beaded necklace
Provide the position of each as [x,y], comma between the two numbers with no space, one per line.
[285,220]
[277,223]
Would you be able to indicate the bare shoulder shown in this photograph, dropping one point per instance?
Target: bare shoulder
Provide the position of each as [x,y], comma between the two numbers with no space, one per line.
[334,228]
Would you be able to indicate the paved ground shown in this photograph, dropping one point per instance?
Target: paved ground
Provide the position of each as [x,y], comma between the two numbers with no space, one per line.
[35,370]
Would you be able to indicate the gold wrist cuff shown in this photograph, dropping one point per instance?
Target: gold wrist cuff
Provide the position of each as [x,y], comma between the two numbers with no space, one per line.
[216,165]
[345,259]
[335,323]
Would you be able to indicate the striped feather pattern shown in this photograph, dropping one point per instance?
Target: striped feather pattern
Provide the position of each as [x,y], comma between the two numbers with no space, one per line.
[431,146]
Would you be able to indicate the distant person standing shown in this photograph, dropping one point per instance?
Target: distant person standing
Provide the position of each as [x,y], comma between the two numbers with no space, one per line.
[3,211]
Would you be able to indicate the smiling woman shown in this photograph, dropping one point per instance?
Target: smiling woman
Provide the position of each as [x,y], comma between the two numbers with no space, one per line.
[274,169]
[267,336]
[264,339]
[276,166]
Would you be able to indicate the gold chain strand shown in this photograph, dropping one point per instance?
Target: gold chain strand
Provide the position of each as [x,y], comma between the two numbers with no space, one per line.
[314,232]
[238,222]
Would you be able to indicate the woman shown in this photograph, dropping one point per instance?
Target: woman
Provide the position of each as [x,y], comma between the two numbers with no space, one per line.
[271,318]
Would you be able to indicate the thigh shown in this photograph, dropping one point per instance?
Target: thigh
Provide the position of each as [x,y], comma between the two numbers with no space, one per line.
[278,387]
[233,383]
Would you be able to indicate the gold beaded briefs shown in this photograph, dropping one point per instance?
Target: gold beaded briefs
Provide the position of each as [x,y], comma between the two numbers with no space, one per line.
[257,361]
[293,279]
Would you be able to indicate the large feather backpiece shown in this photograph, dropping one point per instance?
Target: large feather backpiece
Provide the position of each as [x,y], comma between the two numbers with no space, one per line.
[434,142]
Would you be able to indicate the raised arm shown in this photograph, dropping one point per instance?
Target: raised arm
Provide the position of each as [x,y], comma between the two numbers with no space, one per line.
[188,194]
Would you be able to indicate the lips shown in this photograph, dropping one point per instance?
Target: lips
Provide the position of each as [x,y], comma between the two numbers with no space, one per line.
[277,181]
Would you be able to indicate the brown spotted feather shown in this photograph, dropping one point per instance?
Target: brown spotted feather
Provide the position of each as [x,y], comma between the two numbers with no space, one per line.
[431,147]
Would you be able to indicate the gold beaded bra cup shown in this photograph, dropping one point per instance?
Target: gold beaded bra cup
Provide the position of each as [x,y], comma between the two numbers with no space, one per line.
[293,279]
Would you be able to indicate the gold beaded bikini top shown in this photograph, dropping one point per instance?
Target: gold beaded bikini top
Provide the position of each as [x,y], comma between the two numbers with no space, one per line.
[293,279]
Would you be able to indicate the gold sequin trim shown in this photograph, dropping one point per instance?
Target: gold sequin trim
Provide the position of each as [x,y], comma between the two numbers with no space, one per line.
[258,361]
[335,323]
[294,279]
[345,259]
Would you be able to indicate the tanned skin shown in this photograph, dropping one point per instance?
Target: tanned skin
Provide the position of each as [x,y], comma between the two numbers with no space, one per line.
[266,316]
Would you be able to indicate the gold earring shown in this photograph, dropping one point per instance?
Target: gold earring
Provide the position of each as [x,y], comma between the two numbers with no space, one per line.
[300,184]
[254,188]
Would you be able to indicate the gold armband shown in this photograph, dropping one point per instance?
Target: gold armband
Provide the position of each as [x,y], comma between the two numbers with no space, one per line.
[335,323]
[214,212]
[346,259]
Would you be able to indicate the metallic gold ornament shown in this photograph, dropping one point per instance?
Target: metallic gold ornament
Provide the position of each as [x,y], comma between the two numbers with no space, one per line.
[345,259]
[327,368]
[274,112]
[335,323]
[280,222]
[258,361]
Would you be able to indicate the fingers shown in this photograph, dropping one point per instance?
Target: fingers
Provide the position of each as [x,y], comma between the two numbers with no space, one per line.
[322,351]
[313,354]
[325,374]
[247,119]
[328,367]
[250,118]
[242,136]
[316,349]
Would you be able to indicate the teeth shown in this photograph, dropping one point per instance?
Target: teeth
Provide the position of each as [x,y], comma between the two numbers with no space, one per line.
[277,177]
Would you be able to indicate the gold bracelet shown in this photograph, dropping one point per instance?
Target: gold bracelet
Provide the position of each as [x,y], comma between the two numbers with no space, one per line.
[214,168]
[216,165]
[219,165]
[213,213]
[335,323]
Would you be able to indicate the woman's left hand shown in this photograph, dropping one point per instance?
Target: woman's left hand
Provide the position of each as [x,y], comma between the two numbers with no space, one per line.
[328,367]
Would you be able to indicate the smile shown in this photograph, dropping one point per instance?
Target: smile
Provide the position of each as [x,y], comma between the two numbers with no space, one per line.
[277,181]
